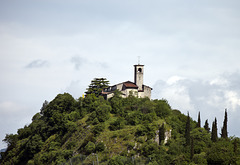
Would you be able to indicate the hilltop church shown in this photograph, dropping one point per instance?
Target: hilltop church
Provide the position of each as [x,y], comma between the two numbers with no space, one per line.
[136,88]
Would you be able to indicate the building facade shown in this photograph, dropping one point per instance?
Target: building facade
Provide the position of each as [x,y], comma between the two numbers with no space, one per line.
[136,88]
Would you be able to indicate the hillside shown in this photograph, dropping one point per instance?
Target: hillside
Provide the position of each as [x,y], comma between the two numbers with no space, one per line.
[116,131]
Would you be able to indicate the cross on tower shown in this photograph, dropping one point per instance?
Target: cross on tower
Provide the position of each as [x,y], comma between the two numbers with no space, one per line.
[139,57]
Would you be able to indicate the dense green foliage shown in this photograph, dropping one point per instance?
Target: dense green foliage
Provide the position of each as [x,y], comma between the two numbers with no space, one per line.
[115,131]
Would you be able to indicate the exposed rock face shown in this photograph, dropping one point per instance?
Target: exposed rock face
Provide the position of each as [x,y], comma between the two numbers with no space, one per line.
[167,136]
[157,137]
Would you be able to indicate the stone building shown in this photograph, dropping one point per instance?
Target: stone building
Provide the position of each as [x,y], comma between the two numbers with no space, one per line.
[136,88]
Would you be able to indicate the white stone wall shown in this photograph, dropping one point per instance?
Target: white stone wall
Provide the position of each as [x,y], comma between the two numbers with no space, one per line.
[119,86]
[110,95]
[146,93]
[128,91]
[141,94]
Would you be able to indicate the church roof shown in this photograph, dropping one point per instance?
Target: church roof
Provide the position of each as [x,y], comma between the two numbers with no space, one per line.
[129,84]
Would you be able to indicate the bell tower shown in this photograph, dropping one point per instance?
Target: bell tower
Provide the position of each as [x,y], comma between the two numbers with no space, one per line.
[138,76]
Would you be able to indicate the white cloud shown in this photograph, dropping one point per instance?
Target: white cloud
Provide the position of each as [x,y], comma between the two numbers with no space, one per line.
[176,93]
[38,64]
[174,79]
[219,81]
[232,100]
[9,108]
[76,89]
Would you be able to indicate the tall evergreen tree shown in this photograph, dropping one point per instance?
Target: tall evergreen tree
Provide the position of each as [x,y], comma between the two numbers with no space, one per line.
[199,120]
[213,130]
[187,131]
[206,126]
[192,148]
[97,86]
[161,133]
[224,133]
[214,136]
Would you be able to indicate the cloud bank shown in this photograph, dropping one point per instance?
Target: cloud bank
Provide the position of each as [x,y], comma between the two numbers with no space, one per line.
[210,97]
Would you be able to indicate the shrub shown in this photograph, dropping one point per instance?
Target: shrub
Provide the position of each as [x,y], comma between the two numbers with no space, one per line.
[98,128]
[100,147]
[117,124]
[103,112]
[162,108]
[134,118]
[200,158]
[90,147]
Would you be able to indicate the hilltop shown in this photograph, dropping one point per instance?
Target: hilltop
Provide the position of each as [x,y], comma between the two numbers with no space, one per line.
[119,130]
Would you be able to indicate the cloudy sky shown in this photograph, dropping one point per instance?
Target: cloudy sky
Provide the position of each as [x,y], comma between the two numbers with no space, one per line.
[190,49]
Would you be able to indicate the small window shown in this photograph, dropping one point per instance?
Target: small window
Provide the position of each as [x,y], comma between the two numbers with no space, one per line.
[139,69]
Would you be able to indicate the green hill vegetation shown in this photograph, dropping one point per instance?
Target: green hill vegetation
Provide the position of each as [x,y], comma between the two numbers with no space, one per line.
[117,131]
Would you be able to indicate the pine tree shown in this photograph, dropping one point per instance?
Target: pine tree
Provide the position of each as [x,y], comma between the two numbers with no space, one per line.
[187,131]
[214,136]
[206,126]
[97,86]
[199,121]
[224,133]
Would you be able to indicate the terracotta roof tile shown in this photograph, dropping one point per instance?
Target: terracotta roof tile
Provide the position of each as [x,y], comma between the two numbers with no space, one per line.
[130,84]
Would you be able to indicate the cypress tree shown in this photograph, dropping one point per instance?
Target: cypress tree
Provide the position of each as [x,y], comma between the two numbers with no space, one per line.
[187,131]
[224,133]
[214,131]
[199,120]
[213,127]
[206,126]
[161,133]
[192,148]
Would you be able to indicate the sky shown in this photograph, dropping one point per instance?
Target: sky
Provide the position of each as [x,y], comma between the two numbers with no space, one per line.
[190,49]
